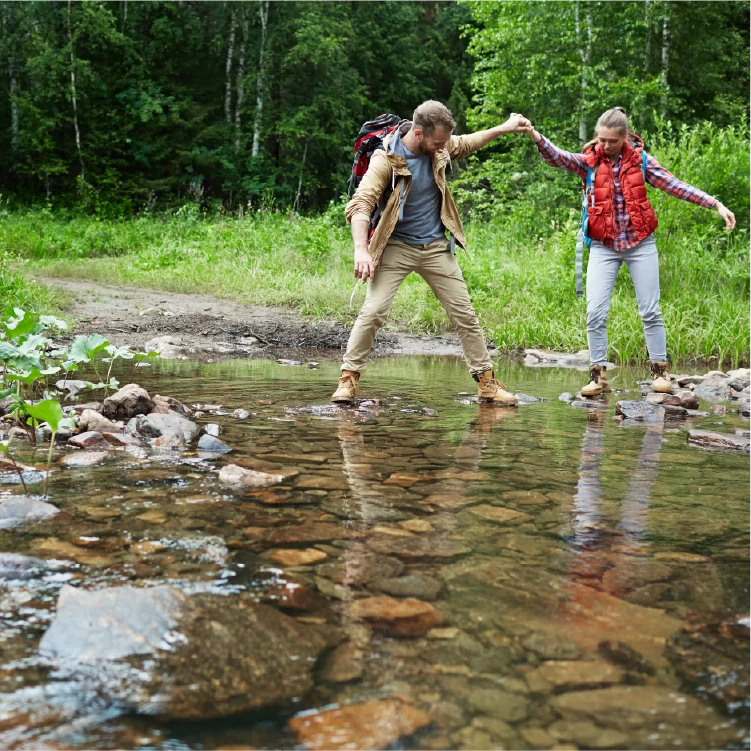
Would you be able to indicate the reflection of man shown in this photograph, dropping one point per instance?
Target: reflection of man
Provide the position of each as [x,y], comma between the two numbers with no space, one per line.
[363,465]
[411,236]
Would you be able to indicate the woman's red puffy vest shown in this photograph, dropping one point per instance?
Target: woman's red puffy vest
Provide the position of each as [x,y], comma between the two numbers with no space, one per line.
[601,224]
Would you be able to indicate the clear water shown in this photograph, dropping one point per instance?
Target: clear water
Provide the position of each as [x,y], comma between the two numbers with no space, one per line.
[621,535]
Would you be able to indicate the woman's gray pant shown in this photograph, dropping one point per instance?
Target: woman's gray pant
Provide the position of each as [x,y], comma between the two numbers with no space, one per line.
[602,271]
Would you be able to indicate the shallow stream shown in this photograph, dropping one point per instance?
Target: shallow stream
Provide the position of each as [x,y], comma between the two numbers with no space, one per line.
[591,576]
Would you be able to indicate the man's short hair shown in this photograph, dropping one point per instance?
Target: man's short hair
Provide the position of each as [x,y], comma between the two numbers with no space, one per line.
[432,114]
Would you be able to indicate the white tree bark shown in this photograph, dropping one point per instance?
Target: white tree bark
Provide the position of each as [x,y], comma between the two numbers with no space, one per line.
[241,81]
[296,204]
[665,57]
[264,12]
[585,52]
[125,16]
[73,96]
[228,69]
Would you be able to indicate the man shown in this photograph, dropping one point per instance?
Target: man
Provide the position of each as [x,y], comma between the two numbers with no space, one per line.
[411,236]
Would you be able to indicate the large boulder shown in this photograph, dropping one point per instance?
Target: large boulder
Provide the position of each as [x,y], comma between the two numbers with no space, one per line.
[157,651]
[23,509]
[90,420]
[165,404]
[156,425]
[129,401]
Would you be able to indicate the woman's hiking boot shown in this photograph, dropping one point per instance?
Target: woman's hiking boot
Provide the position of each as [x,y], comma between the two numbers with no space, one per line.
[490,390]
[347,389]
[598,382]
[660,377]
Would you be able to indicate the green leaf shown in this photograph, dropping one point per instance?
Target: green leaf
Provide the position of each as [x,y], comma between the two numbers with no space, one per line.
[115,352]
[48,411]
[8,351]
[18,322]
[35,343]
[51,322]
[25,376]
[85,348]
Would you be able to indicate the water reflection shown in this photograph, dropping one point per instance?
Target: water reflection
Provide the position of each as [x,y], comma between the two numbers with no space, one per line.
[588,531]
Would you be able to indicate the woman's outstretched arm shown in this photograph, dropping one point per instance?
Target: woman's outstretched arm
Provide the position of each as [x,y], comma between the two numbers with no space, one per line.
[556,157]
[666,181]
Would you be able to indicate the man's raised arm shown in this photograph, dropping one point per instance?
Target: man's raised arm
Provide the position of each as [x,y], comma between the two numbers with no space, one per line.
[461,146]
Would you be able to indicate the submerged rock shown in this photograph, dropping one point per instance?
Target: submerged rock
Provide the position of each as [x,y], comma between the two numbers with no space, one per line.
[237,476]
[415,585]
[646,411]
[129,401]
[214,445]
[86,459]
[589,404]
[17,567]
[375,724]
[157,651]
[17,510]
[725,441]
[712,657]
[409,617]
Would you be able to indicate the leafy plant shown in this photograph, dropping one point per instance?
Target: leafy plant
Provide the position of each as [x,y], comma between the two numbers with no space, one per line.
[51,412]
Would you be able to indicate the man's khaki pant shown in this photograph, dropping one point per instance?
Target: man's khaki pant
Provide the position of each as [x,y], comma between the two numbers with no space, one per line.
[435,264]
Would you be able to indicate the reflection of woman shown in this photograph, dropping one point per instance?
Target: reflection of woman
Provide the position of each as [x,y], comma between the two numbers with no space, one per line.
[620,224]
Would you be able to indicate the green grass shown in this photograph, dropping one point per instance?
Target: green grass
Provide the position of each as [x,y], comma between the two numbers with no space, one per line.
[521,281]
[18,291]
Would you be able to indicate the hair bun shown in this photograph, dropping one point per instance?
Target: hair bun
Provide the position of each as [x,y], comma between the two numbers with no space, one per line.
[620,109]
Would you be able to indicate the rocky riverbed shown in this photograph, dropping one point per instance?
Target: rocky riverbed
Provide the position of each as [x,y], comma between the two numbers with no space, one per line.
[222,545]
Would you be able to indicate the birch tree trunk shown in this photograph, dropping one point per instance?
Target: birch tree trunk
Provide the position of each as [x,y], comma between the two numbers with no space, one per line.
[241,81]
[260,79]
[665,58]
[585,52]
[228,69]
[296,204]
[73,96]
[125,16]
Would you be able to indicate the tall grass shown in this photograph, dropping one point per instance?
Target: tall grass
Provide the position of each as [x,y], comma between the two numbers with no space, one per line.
[520,268]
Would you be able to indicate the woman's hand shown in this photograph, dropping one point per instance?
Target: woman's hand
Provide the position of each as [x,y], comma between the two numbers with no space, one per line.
[727,215]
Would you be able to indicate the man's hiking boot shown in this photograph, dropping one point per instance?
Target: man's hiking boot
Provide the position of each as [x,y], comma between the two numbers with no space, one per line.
[661,377]
[347,390]
[598,382]
[489,390]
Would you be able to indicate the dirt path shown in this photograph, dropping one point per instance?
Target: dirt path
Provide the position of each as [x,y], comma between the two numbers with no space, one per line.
[206,326]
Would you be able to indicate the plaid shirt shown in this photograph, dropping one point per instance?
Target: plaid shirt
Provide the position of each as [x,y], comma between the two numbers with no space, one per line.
[657,176]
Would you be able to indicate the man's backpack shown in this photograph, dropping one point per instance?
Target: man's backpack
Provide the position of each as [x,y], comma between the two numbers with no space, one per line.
[369,139]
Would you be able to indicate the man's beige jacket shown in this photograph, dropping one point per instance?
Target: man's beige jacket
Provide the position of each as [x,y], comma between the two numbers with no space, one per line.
[388,169]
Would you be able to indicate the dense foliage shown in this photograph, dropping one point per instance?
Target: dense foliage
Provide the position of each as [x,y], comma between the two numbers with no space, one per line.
[120,107]
[125,106]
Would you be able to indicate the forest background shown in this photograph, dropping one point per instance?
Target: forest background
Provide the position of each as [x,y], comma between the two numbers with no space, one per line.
[206,146]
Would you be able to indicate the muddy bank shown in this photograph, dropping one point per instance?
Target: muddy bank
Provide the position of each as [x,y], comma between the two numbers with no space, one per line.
[215,328]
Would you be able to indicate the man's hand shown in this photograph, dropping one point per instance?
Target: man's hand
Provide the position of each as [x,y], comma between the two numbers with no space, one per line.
[364,267]
[727,215]
[516,123]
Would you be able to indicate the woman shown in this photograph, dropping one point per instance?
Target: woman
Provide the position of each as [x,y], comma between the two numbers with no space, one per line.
[620,225]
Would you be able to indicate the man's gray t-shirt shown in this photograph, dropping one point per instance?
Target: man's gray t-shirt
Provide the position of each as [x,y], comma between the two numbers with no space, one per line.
[421,222]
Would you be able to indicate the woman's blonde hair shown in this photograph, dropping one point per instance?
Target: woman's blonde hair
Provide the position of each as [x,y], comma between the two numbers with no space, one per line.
[615,119]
